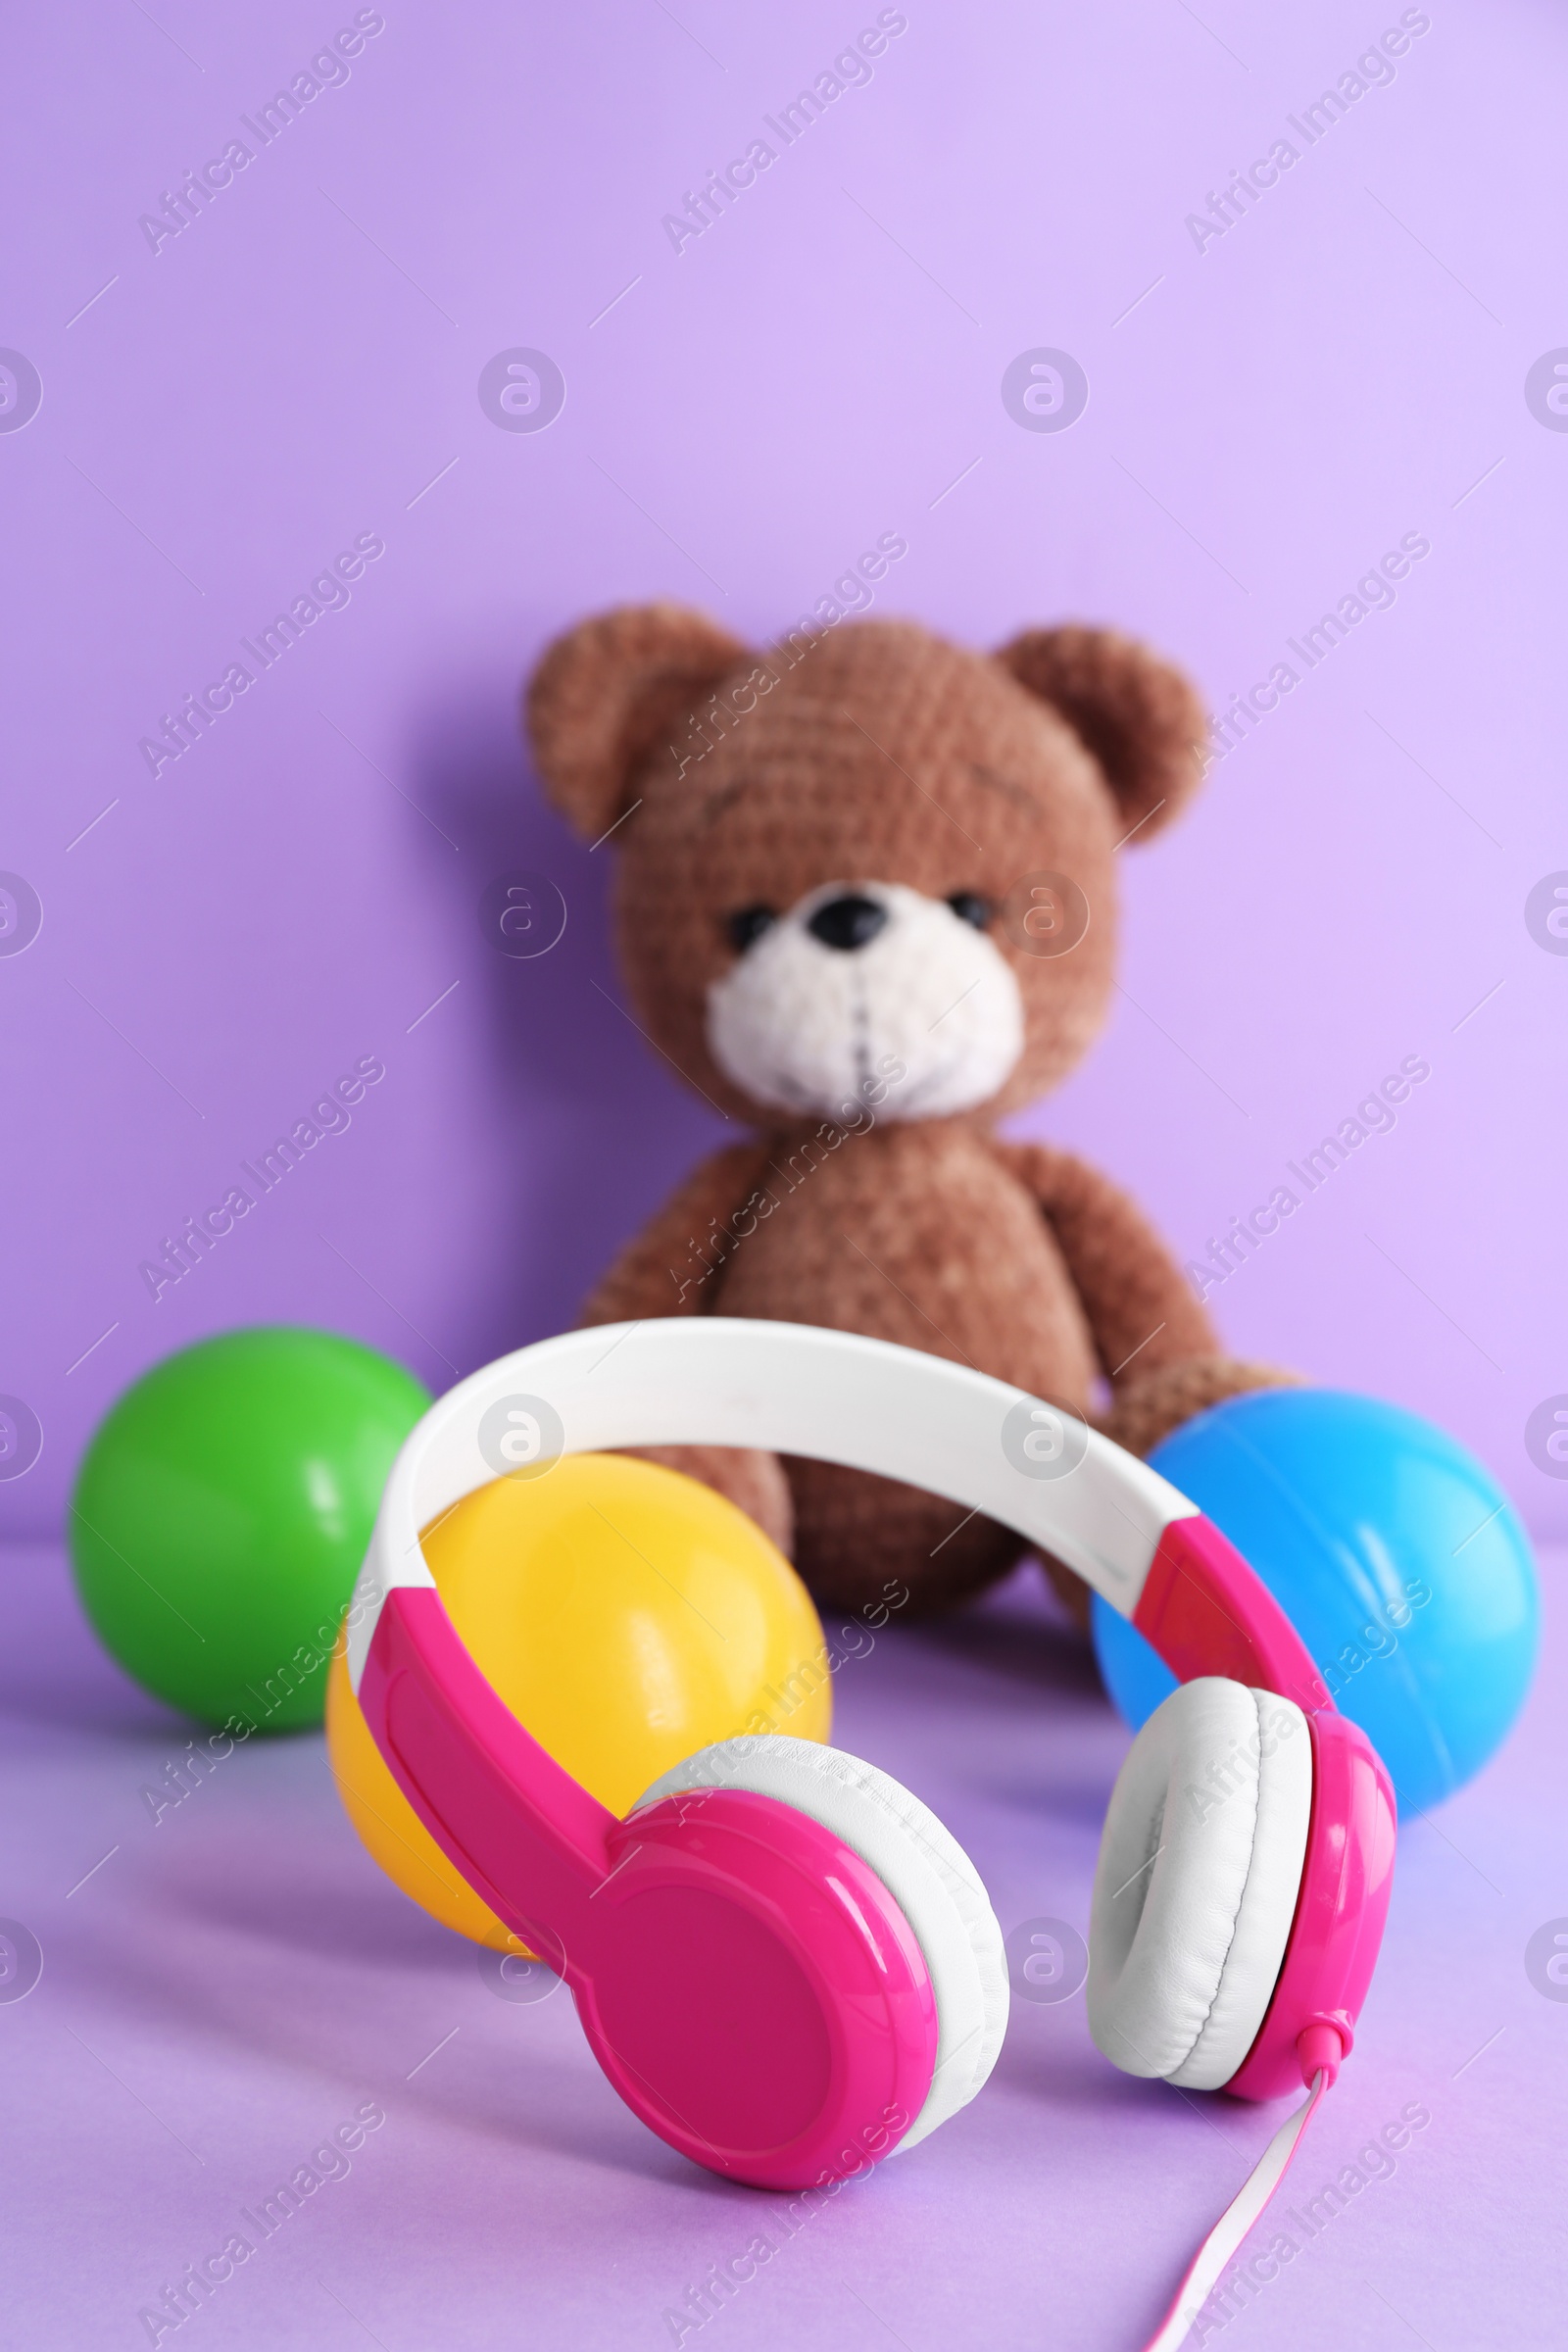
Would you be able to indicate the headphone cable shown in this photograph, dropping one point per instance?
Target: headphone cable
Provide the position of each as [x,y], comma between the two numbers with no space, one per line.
[1214,2254]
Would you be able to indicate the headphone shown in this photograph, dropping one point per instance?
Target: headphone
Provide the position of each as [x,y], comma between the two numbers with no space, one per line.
[785,1964]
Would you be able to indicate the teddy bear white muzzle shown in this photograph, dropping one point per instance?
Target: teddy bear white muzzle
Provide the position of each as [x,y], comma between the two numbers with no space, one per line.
[866,995]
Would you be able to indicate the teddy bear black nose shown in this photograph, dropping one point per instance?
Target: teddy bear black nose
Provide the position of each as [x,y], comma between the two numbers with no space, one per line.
[847,922]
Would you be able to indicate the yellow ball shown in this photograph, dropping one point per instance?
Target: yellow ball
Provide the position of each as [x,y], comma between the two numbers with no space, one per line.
[627,1616]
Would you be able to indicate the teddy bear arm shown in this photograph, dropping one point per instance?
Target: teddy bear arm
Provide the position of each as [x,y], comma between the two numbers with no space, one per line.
[1156,1344]
[675,1266]
[1141,1311]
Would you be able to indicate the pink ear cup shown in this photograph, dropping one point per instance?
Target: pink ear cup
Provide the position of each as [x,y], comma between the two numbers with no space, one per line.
[922,1866]
[753,1992]
[1347,1879]
[1189,1885]
[1207,1612]
[749,1985]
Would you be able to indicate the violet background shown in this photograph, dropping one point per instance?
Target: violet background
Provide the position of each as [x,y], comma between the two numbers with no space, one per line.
[752,413]
[1344,366]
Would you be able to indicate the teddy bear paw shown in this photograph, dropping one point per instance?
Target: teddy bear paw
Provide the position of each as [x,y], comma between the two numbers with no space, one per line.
[1149,1409]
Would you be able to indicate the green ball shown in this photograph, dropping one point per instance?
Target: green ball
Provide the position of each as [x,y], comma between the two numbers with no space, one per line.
[224,1509]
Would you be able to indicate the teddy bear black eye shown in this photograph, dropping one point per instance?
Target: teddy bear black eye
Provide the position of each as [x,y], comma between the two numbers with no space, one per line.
[970,907]
[749,925]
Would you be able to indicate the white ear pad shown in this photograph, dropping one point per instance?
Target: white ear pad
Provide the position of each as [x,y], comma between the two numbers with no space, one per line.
[1200,1869]
[922,1866]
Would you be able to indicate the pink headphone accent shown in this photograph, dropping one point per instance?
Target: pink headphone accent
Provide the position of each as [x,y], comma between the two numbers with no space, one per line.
[788,1987]
[1205,1612]
[747,1983]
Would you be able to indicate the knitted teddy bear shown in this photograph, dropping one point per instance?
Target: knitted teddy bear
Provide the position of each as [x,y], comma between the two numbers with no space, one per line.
[866,905]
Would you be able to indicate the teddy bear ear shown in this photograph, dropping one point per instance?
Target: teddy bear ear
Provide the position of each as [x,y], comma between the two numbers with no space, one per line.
[1140,718]
[604,693]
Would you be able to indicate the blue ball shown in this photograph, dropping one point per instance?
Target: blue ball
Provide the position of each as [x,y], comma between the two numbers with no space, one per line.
[1399,1560]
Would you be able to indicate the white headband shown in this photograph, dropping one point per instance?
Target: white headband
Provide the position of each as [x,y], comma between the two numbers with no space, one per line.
[830,1396]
